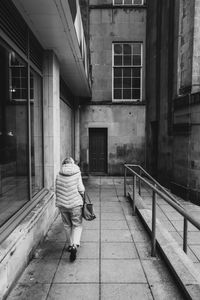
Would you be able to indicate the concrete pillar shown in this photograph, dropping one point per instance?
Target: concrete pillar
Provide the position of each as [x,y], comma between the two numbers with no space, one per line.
[77,134]
[51,106]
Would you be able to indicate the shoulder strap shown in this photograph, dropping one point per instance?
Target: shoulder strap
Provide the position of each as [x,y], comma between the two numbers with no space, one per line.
[86,197]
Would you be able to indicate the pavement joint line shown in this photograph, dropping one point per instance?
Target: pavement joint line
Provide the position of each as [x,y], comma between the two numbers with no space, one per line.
[51,284]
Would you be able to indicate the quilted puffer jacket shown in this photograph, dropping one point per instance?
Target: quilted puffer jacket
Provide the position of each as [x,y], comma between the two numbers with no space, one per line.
[69,185]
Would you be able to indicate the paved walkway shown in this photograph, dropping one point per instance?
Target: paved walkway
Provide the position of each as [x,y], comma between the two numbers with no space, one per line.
[113,262]
[173,222]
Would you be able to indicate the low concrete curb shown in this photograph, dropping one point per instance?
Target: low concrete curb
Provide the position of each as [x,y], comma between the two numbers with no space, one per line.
[179,263]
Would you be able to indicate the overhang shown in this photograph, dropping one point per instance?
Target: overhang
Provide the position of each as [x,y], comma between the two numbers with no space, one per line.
[51,22]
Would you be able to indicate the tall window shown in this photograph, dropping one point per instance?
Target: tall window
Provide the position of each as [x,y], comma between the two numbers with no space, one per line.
[127,71]
[21,160]
[128,2]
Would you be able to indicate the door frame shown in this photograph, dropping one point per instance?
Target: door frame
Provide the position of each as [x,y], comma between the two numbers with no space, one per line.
[105,129]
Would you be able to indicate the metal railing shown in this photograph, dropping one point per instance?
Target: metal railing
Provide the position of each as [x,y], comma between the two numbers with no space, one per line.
[137,172]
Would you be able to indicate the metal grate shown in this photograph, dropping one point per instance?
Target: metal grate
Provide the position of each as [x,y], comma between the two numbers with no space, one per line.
[14,26]
[35,51]
[12,23]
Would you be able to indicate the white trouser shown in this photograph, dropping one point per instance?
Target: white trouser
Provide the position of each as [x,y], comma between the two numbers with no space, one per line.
[72,220]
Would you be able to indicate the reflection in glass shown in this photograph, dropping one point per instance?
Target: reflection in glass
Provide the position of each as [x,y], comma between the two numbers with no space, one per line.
[13,134]
[14,127]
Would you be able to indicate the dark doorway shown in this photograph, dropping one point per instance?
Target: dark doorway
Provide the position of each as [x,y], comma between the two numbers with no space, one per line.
[98,150]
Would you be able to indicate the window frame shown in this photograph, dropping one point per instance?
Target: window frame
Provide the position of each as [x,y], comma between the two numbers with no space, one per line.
[130,4]
[128,66]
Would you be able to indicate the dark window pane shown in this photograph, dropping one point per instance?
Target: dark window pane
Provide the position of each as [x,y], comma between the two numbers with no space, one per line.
[117,82]
[118,94]
[137,60]
[136,49]
[16,94]
[136,72]
[127,72]
[137,1]
[127,1]
[136,82]
[15,82]
[127,60]
[23,72]
[117,72]
[15,72]
[23,94]
[13,138]
[31,94]
[118,60]
[31,82]
[127,49]
[118,2]
[126,82]
[23,83]
[118,49]
[136,93]
[127,94]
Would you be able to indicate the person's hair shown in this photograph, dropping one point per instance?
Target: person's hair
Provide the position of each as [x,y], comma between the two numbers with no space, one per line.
[68,160]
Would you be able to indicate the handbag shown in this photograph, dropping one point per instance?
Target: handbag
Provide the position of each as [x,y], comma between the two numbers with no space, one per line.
[88,209]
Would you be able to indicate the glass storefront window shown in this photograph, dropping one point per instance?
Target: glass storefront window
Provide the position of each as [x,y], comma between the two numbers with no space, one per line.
[14,134]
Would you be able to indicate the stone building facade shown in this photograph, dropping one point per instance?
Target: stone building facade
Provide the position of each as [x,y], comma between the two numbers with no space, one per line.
[44,77]
[116,112]
[173,86]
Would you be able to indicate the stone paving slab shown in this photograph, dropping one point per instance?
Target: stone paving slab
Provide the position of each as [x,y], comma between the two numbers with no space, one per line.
[113,262]
[126,291]
[33,291]
[115,225]
[76,291]
[165,291]
[79,272]
[118,271]
[40,271]
[118,251]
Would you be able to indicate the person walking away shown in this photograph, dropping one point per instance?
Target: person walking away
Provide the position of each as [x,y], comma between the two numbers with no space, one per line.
[69,200]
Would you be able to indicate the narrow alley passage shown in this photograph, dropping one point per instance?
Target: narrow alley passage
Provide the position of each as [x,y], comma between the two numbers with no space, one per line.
[113,262]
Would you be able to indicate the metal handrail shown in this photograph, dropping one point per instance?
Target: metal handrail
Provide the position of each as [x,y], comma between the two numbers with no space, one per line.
[164,196]
[155,182]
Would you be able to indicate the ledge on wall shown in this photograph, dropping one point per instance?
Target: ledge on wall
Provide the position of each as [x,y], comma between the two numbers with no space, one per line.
[17,249]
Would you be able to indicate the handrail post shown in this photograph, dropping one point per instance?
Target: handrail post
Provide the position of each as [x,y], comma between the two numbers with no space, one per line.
[139,183]
[185,234]
[153,237]
[134,193]
[125,171]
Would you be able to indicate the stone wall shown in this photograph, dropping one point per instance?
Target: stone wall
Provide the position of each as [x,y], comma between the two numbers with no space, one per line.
[173,95]
[107,26]
[126,134]
[66,131]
